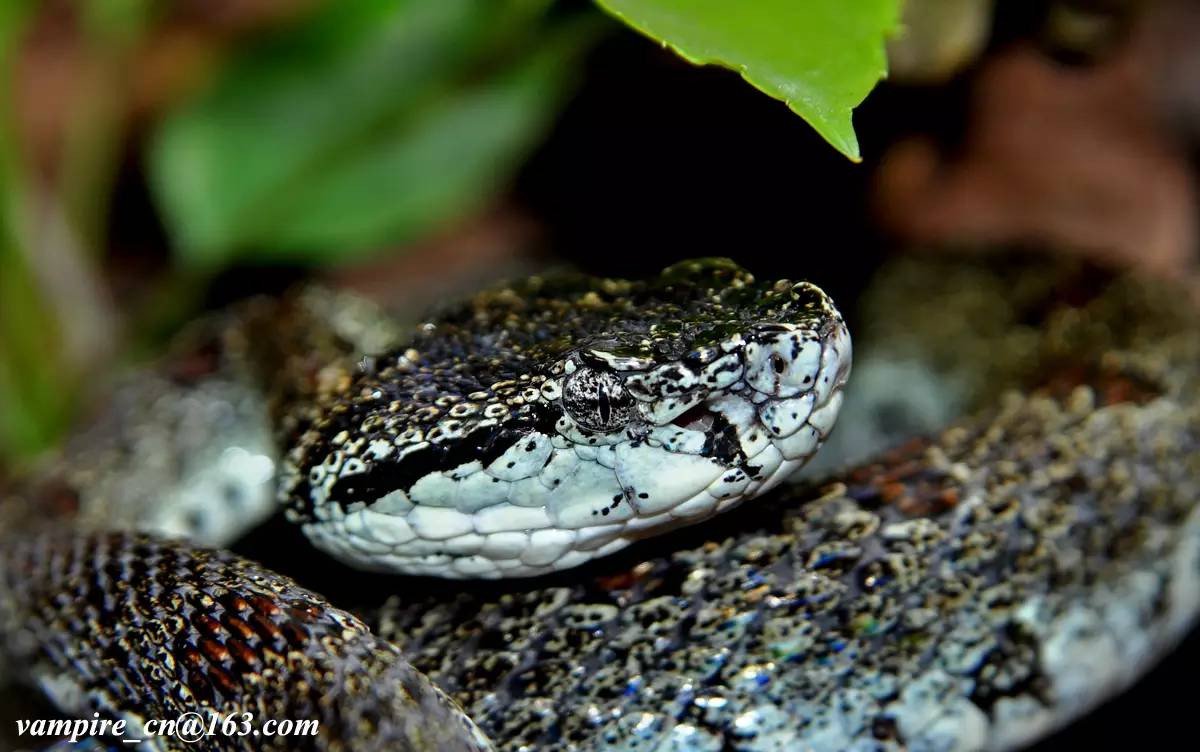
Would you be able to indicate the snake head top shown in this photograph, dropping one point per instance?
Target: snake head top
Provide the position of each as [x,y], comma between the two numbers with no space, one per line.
[555,420]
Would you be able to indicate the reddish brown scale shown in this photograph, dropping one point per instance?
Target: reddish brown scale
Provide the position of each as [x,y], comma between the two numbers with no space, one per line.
[239,627]
[263,605]
[296,635]
[209,625]
[1111,388]
[225,683]
[244,655]
[904,479]
[268,631]
[215,652]
[201,630]
[307,611]
[893,492]
[894,464]
[191,658]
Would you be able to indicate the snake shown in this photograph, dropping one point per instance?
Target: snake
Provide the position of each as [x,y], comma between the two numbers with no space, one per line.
[976,588]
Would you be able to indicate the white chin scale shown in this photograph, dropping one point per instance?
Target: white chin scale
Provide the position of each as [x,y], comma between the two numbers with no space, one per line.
[555,502]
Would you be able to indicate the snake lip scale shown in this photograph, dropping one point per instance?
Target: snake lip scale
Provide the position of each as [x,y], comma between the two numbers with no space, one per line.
[547,423]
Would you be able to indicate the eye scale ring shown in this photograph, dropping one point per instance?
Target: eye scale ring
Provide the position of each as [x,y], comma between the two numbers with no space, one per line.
[597,400]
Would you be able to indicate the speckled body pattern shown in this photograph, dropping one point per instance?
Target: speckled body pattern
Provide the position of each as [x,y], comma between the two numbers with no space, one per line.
[546,423]
[138,629]
[971,591]
[848,623]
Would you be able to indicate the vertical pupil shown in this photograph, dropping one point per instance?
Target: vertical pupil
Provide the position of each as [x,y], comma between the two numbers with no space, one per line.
[605,409]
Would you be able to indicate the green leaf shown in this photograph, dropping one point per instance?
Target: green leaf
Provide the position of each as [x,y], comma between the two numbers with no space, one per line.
[821,57]
[361,128]
[438,165]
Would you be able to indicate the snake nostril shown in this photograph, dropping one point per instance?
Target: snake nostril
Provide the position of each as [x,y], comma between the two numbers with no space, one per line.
[778,363]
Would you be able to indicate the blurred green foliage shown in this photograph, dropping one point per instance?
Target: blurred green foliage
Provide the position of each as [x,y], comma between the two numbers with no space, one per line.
[363,127]
[355,128]
[36,391]
[358,126]
[821,57]
[33,406]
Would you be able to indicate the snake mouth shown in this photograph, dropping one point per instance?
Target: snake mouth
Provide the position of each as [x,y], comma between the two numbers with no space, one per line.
[698,418]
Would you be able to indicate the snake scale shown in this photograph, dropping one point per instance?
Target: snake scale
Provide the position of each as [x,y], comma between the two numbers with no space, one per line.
[972,590]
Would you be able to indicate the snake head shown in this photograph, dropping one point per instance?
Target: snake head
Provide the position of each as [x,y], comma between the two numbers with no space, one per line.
[543,424]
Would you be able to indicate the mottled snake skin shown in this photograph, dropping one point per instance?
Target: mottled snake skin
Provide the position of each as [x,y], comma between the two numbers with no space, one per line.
[969,591]
[148,629]
[973,591]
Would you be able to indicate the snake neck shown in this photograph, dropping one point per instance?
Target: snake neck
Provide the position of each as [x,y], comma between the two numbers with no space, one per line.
[188,445]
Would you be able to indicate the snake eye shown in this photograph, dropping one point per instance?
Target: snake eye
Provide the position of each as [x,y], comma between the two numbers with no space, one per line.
[597,400]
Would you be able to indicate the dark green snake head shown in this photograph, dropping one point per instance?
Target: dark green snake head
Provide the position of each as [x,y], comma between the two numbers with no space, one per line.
[555,420]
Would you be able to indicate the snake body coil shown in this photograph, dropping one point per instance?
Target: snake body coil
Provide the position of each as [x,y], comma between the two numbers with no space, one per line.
[972,591]
[139,629]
